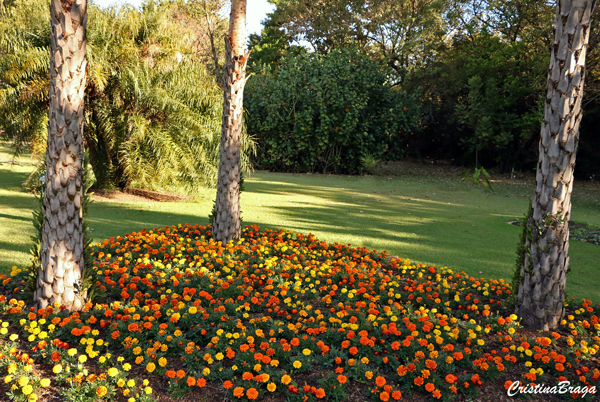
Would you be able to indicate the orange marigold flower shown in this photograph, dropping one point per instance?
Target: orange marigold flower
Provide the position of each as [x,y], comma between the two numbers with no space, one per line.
[396,395]
[419,381]
[429,387]
[201,382]
[227,384]
[384,396]
[238,392]
[252,393]
[451,378]
[380,381]
[191,381]
[342,379]
[320,393]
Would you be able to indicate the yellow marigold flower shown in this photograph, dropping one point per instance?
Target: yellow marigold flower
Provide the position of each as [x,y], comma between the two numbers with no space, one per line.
[57,369]
[271,387]
[206,372]
[113,371]
[102,359]
[8,379]
[286,379]
[82,358]
[13,337]
[101,391]
[131,383]
[297,364]
[45,382]
[148,390]
[121,382]
[150,367]
[27,389]
[23,381]
[306,352]
[127,367]
[162,362]
[369,375]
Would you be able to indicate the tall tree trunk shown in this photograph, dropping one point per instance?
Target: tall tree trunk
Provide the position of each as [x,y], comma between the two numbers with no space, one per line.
[226,222]
[542,291]
[62,253]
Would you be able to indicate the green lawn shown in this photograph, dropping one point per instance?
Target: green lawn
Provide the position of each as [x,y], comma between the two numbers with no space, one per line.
[430,219]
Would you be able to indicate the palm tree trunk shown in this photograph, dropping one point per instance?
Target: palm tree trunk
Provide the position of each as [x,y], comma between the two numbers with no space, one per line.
[226,222]
[62,253]
[542,290]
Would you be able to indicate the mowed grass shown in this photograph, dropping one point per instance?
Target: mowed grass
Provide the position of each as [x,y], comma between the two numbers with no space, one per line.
[428,218]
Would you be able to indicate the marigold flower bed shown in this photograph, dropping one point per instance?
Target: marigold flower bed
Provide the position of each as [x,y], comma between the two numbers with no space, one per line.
[262,316]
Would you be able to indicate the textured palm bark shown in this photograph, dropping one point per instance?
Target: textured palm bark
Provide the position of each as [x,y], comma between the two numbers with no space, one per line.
[62,253]
[226,222]
[542,291]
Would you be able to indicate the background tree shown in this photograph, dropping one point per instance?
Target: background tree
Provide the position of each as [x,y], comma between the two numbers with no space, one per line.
[62,249]
[226,221]
[544,271]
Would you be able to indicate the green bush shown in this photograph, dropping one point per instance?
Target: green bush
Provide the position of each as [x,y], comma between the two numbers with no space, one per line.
[323,113]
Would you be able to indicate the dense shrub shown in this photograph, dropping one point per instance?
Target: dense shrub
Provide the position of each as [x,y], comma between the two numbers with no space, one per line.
[322,113]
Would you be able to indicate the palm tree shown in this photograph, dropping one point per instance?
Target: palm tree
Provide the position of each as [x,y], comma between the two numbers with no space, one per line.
[226,222]
[545,263]
[153,110]
[62,250]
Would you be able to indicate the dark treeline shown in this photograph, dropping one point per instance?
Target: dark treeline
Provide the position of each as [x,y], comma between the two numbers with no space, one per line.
[475,70]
